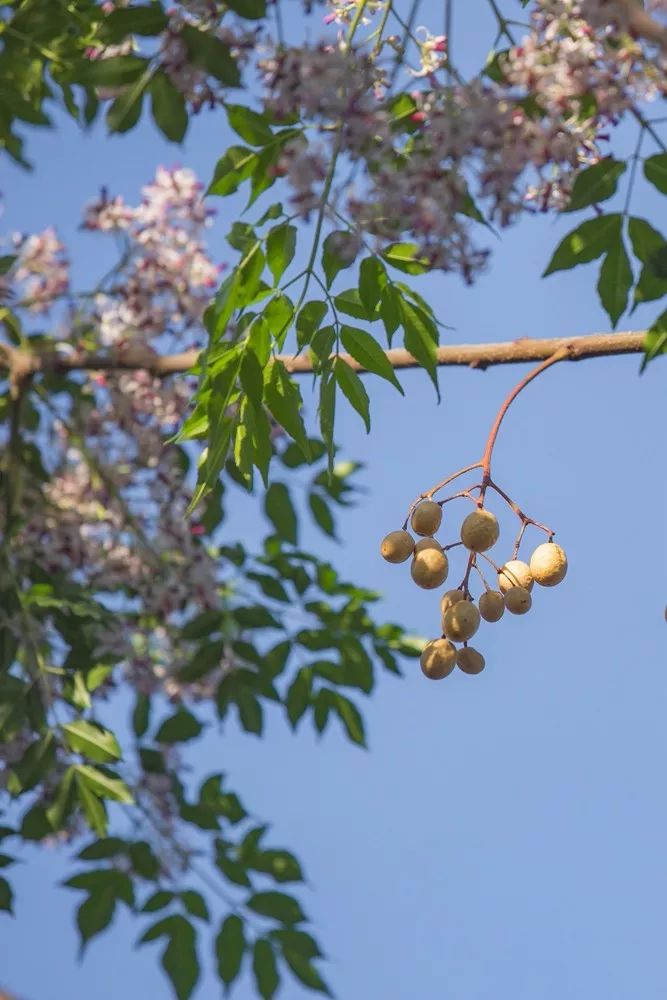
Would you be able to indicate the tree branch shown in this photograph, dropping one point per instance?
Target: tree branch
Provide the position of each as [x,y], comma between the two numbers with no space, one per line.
[24,364]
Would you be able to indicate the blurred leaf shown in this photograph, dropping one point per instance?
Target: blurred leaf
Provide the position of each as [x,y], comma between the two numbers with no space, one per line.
[179,728]
[229,949]
[322,514]
[6,896]
[168,107]
[280,511]
[264,969]
[655,342]
[95,914]
[283,399]
[276,905]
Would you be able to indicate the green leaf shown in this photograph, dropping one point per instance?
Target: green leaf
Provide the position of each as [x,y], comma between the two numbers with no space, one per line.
[106,847]
[615,282]
[195,904]
[7,261]
[366,350]
[125,110]
[644,238]
[123,21]
[250,712]
[353,389]
[372,279]
[229,949]
[252,10]
[141,715]
[281,865]
[420,338]
[655,171]
[595,184]
[232,169]
[249,124]
[179,959]
[210,54]
[95,914]
[265,969]
[252,378]
[92,740]
[350,303]
[102,785]
[168,107]
[93,807]
[589,240]
[390,311]
[298,695]
[280,249]
[278,315]
[280,511]
[6,896]
[351,718]
[405,257]
[655,342]
[309,321]
[277,905]
[321,512]
[179,728]
[157,901]
[113,72]
[36,763]
[232,870]
[283,399]
[103,880]
[298,942]
[305,971]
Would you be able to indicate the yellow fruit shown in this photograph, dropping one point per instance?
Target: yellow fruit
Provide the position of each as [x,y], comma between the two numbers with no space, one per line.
[427,543]
[515,574]
[480,531]
[491,606]
[429,568]
[397,546]
[438,659]
[518,600]
[461,621]
[548,564]
[426,518]
[450,597]
[470,661]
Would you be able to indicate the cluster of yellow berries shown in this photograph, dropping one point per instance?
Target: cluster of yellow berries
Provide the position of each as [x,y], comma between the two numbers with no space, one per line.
[460,616]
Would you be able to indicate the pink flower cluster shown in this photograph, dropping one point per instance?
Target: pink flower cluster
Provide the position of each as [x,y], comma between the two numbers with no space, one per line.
[41,272]
[167,276]
[511,145]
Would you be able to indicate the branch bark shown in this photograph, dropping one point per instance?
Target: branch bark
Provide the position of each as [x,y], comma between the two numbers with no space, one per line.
[23,365]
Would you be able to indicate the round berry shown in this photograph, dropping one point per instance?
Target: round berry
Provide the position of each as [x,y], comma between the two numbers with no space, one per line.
[427,543]
[480,531]
[397,546]
[548,564]
[518,600]
[429,568]
[426,518]
[450,597]
[461,621]
[491,606]
[438,659]
[515,574]
[470,661]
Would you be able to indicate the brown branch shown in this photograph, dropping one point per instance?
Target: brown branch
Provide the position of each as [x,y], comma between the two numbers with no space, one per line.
[23,364]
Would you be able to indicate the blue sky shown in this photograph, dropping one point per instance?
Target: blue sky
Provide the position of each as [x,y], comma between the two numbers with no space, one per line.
[504,836]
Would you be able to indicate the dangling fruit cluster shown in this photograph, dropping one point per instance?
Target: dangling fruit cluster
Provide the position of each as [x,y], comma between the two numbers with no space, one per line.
[460,615]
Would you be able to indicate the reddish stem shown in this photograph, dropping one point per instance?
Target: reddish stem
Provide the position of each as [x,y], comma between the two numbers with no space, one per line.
[559,355]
